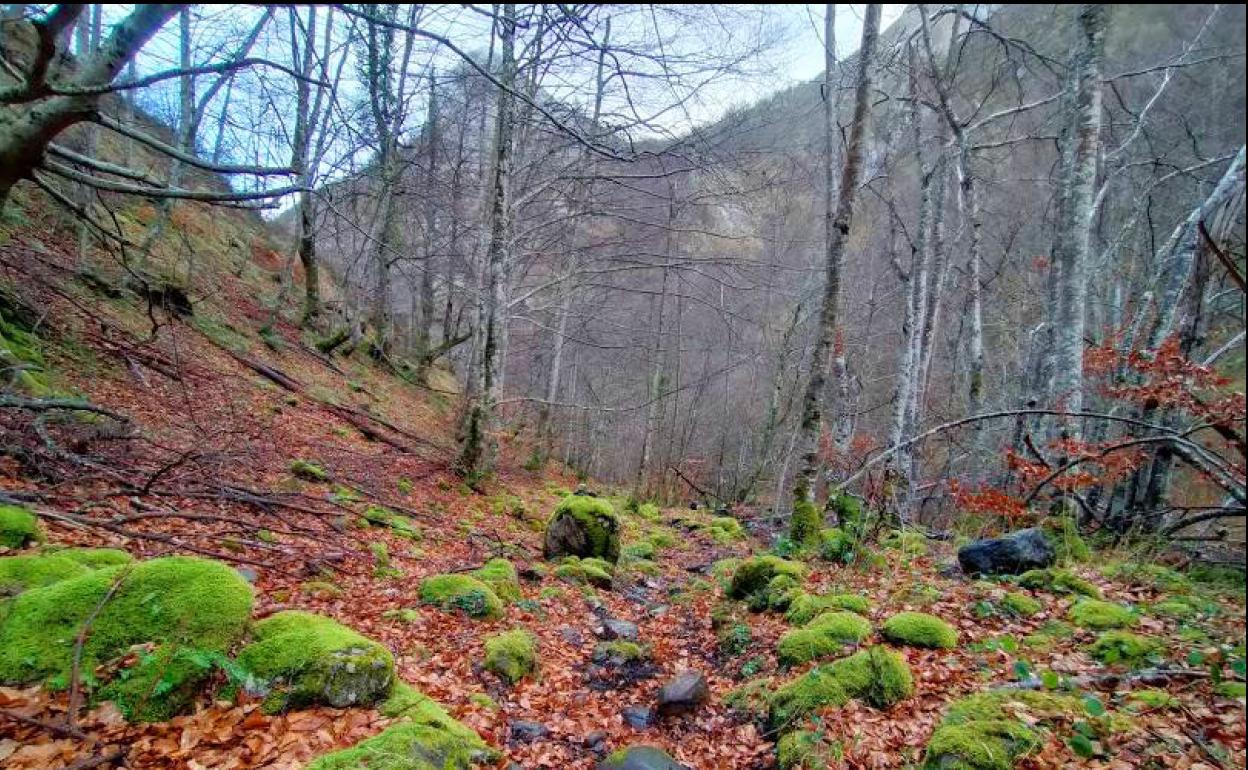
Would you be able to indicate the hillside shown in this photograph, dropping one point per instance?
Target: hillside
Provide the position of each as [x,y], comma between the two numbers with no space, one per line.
[234,538]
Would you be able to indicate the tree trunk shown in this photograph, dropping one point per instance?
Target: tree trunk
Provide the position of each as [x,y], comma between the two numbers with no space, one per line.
[837,224]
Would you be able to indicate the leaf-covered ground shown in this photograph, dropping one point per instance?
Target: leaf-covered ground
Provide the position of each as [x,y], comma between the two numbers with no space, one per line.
[211,475]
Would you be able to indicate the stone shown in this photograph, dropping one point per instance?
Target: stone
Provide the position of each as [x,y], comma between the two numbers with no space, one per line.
[249,574]
[1011,554]
[683,693]
[584,527]
[525,731]
[571,636]
[638,717]
[619,629]
[640,758]
[597,742]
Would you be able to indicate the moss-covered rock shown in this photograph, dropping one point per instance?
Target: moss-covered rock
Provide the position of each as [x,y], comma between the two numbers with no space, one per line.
[162,684]
[1097,615]
[1020,604]
[298,658]
[754,574]
[919,629]
[806,607]
[1177,608]
[381,516]
[725,529]
[992,730]
[876,675]
[619,653]
[512,655]
[461,592]
[95,558]
[1058,581]
[825,636]
[806,523]
[595,572]
[806,750]
[779,593]
[179,600]
[1117,646]
[500,575]
[837,546]
[309,471]
[425,738]
[18,527]
[583,526]
[21,573]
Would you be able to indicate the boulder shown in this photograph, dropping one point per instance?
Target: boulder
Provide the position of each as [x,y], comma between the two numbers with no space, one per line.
[584,527]
[619,629]
[1011,554]
[683,693]
[640,758]
[526,731]
[298,658]
[638,717]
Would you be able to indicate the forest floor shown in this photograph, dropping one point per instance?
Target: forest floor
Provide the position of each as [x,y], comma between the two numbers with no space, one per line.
[222,413]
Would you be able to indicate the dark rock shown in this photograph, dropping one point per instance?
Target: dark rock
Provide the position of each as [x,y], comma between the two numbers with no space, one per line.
[571,636]
[640,758]
[530,575]
[524,731]
[638,717]
[619,629]
[597,741]
[1010,554]
[584,491]
[683,693]
[693,505]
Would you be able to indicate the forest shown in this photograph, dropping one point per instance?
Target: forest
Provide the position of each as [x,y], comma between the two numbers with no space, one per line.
[622,387]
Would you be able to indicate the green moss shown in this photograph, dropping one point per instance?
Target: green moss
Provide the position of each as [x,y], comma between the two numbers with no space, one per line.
[596,522]
[837,546]
[725,529]
[461,592]
[592,571]
[780,592]
[320,589]
[512,655]
[649,511]
[1020,604]
[753,574]
[806,523]
[1152,576]
[805,750]
[825,636]
[643,549]
[1151,699]
[410,745]
[405,615]
[908,541]
[1058,581]
[1118,646]
[1230,690]
[734,639]
[1068,544]
[18,527]
[185,601]
[619,652]
[21,573]
[500,575]
[309,471]
[162,685]
[751,699]
[384,517]
[1178,608]
[992,730]
[918,629]
[1097,615]
[300,658]
[849,513]
[95,558]
[805,607]
[1048,635]
[876,675]
[662,538]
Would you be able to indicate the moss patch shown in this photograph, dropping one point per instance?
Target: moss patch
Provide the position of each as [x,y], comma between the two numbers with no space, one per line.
[461,592]
[1058,581]
[754,574]
[824,637]
[22,573]
[806,524]
[512,655]
[1117,646]
[309,471]
[1097,615]
[806,607]
[186,601]
[595,572]
[990,731]
[876,675]
[583,526]
[18,527]
[95,558]
[300,658]
[163,684]
[500,575]
[918,629]
[443,744]
[1020,605]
